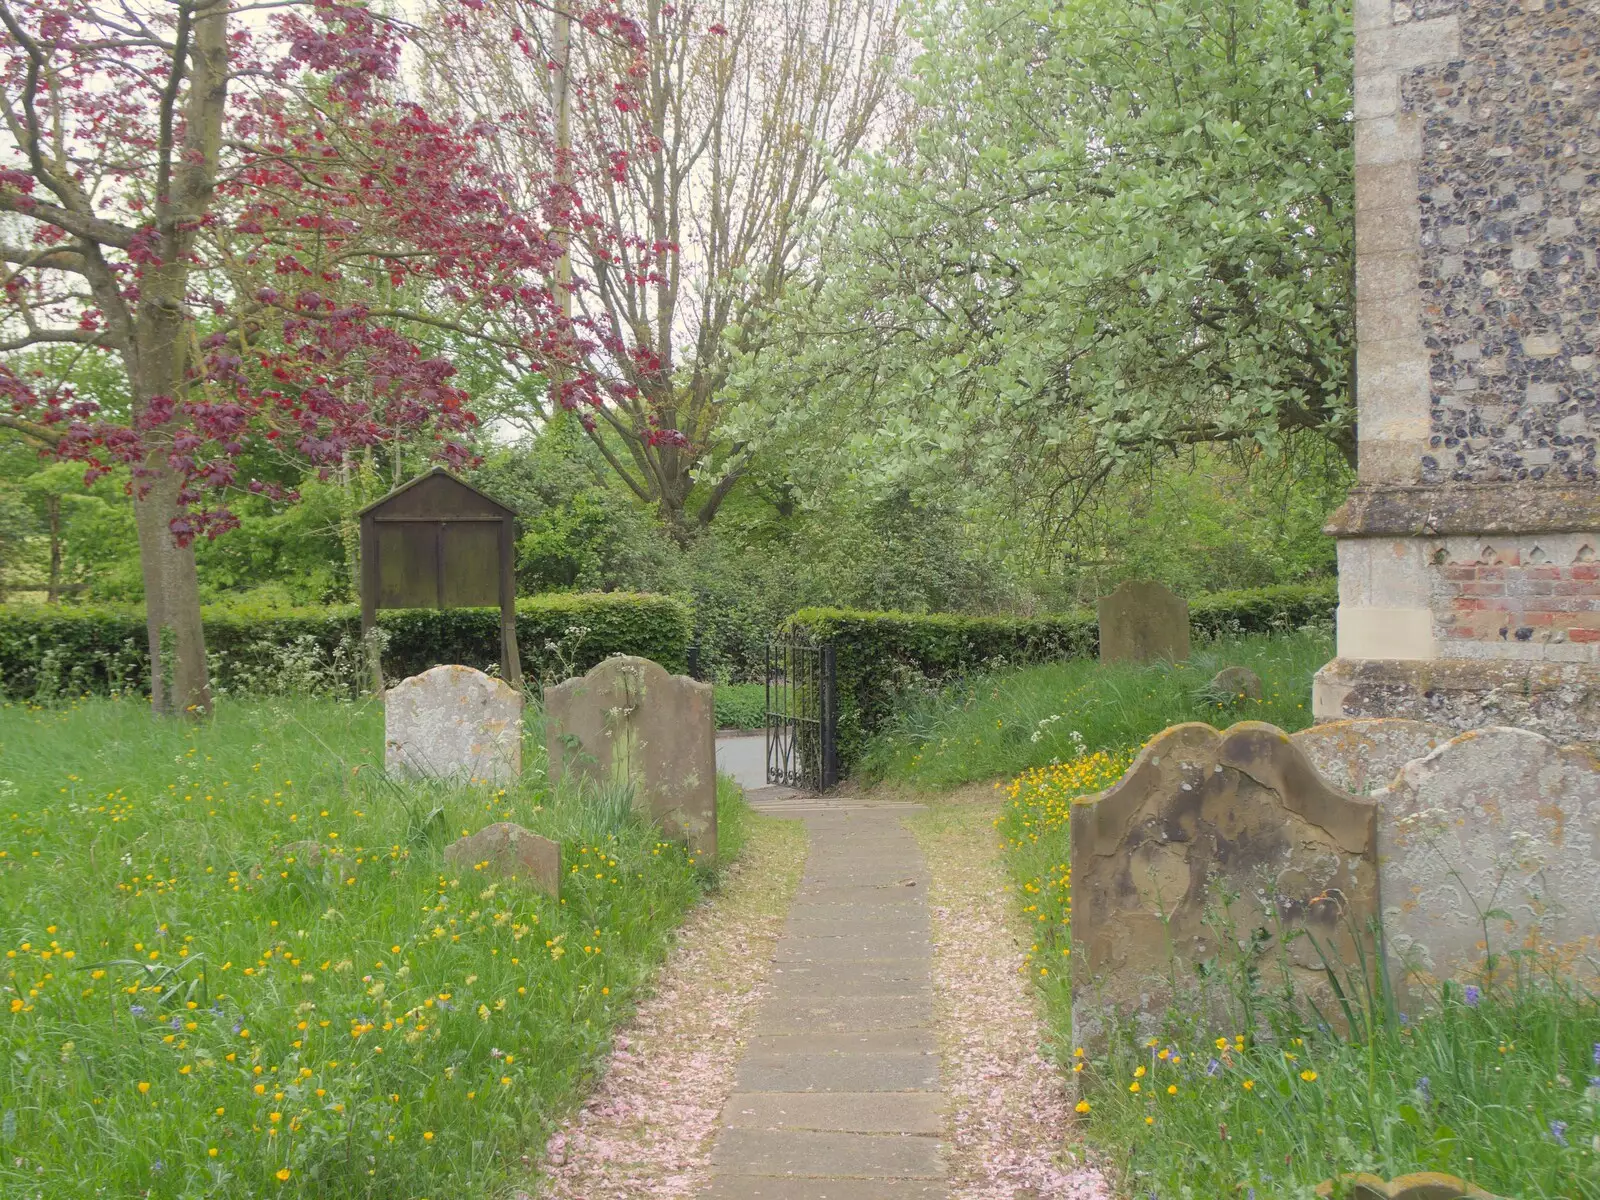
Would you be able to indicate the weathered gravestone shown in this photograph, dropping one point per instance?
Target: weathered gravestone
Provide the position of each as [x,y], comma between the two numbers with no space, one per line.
[453,722]
[1233,684]
[628,722]
[1494,821]
[1201,813]
[1424,1185]
[508,851]
[1141,622]
[1366,753]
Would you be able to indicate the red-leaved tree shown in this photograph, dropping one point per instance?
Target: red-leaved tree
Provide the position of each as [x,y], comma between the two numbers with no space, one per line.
[235,201]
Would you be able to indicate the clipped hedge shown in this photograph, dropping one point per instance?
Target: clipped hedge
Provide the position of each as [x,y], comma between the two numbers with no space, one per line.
[880,655]
[48,652]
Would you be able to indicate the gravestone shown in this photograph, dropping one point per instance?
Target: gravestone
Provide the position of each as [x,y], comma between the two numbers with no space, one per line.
[1424,1185]
[509,852]
[1500,820]
[453,722]
[1364,754]
[1141,622]
[630,723]
[1201,812]
[1233,684]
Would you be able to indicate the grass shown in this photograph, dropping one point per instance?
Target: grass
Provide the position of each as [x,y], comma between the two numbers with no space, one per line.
[186,1012]
[996,725]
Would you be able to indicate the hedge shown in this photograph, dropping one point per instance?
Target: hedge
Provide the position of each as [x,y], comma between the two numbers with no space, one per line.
[879,655]
[47,652]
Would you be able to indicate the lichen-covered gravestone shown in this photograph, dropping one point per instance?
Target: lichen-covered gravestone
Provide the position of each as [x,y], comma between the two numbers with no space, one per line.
[509,852]
[1233,684]
[1497,821]
[628,722]
[1142,622]
[1365,753]
[453,723]
[1201,814]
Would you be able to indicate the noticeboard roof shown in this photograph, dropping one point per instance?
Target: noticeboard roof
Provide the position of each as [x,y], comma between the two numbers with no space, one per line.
[437,496]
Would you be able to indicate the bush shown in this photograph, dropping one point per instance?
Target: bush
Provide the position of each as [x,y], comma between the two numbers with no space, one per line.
[48,652]
[880,657]
[741,705]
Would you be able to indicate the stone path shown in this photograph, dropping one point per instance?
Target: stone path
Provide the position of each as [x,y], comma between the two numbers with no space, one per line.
[838,1095]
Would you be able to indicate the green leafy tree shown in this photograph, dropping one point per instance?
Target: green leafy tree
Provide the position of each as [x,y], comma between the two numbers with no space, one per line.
[1122,227]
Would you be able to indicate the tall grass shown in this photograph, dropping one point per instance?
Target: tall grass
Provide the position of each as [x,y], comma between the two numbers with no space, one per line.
[1000,723]
[188,1009]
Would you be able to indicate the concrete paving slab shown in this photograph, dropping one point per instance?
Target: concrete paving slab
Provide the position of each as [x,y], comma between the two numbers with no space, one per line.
[868,945]
[901,919]
[875,1041]
[837,1112]
[811,1154]
[814,1012]
[862,977]
[839,1073]
[761,1187]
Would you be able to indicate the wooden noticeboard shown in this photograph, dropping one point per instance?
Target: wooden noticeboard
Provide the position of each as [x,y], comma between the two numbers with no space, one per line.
[437,542]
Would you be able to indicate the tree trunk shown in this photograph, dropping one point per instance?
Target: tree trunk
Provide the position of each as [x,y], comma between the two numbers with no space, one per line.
[52,508]
[179,682]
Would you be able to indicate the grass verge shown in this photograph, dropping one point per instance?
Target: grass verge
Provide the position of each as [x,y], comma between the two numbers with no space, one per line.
[998,724]
[187,1012]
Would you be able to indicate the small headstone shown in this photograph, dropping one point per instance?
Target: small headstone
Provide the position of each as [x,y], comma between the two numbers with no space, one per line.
[1499,820]
[1200,813]
[1364,754]
[453,722]
[628,722]
[1233,684]
[1425,1185]
[1143,622]
[508,851]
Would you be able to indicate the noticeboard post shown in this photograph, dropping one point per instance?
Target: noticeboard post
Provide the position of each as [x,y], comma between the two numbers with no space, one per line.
[437,542]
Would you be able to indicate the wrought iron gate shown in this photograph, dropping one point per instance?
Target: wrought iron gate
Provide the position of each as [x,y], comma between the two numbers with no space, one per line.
[802,715]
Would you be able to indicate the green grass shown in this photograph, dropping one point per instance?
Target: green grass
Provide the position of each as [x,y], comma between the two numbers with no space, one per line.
[741,705]
[997,725]
[171,982]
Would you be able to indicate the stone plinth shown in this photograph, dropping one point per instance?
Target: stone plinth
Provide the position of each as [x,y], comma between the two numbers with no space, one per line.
[1143,622]
[1469,591]
[506,851]
[453,723]
[1494,820]
[628,723]
[1198,814]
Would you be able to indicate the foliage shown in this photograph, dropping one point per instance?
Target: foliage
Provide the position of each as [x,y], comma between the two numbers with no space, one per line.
[883,658]
[194,1003]
[48,652]
[741,705]
[1117,230]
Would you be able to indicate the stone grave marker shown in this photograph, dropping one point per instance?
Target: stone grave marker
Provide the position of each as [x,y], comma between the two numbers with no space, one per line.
[1233,684]
[1142,621]
[1498,820]
[1200,812]
[453,722]
[1363,754]
[629,722]
[510,852]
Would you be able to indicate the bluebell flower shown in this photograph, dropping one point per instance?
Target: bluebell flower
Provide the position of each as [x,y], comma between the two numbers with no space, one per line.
[157,1167]
[1427,1092]
[136,1009]
[1597,1054]
[1213,1068]
[176,1022]
[238,1025]
[1558,1130]
[1594,1081]
[1404,1020]
[1472,995]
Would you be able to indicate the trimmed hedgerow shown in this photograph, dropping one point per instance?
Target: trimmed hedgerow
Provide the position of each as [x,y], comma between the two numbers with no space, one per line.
[881,655]
[48,652]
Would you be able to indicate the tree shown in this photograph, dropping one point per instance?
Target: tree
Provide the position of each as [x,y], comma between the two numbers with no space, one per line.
[229,200]
[1123,227]
[689,194]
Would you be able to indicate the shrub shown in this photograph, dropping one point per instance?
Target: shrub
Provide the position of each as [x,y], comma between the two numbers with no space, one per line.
[48,652]
[880,657]
[741,705]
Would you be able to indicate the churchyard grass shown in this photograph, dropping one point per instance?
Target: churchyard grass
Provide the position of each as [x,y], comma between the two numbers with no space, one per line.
[188,1010]
[997,724]
[741,705]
